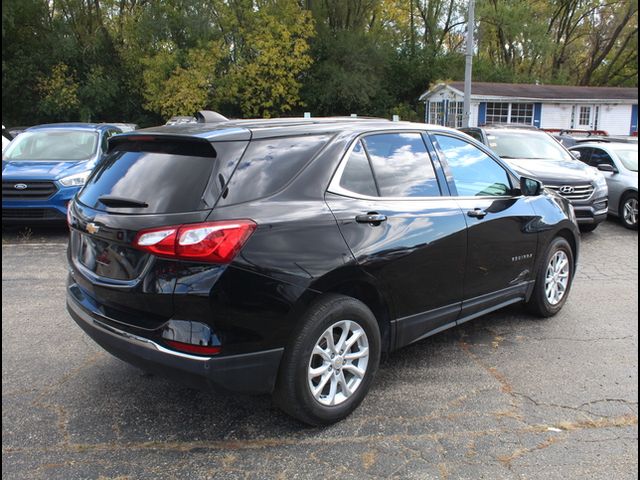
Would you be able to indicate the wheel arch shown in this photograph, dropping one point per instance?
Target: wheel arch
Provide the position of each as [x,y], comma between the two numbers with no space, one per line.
[368,294]
[570,237]
[628,191]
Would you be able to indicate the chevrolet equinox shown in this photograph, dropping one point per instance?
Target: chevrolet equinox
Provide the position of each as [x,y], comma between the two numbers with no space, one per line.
[284,256]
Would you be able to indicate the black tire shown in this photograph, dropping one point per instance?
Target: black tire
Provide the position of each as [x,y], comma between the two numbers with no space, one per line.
[293,392]
[628,197]
[588,227]
[538,304]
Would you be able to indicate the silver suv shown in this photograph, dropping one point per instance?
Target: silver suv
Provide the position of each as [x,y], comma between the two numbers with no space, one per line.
[619,163]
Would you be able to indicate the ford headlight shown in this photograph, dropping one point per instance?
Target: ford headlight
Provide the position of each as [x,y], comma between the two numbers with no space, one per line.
[76,180]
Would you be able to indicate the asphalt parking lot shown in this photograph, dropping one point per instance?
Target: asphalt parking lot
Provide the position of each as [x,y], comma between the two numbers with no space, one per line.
[506,396]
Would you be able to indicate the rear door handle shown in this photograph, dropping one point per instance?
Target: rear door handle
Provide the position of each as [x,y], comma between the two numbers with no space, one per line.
[477,213]
[373,218]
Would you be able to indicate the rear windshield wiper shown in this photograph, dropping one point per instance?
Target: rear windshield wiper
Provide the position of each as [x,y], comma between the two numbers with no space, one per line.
[113,201]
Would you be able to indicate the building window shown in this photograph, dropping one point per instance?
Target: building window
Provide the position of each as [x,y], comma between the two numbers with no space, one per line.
[497,112]
[436,113]
[455,114]
[585,116]
[522,113]
[500,112]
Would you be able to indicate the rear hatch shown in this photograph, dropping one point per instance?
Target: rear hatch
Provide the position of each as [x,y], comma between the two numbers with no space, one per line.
[146,181]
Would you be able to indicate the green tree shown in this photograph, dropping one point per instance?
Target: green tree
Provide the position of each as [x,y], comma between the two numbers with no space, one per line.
[59,93]
[143,61]
[274,56]
[182,88]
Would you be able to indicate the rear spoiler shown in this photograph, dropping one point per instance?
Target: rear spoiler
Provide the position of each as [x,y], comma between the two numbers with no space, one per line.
[161,143]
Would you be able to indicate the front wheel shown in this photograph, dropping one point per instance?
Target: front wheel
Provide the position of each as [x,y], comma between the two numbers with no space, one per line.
[553,280]
[330,361]
[629,211]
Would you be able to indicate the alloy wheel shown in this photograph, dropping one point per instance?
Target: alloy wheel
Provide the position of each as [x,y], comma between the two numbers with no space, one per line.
[557,277]
[338,363]
[630,211]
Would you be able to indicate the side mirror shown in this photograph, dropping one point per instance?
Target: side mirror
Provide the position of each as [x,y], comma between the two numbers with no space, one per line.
[530,187]
[576,154]
[605,167]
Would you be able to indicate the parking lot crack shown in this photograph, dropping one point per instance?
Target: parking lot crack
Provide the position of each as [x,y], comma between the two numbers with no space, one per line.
[507,460]
[503,381]
[609,400]
[579,408]
[586,340]
[370,440]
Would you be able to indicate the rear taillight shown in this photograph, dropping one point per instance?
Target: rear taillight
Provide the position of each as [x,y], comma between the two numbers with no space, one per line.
[215,242]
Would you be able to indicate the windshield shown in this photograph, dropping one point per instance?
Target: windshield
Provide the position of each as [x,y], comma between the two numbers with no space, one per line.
[526,144]
[629,158]
[52,145]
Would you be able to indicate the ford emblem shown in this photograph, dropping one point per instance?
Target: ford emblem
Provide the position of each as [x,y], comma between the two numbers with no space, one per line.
[20,186]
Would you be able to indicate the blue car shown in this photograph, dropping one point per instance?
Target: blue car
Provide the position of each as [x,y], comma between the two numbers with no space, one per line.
[44,167]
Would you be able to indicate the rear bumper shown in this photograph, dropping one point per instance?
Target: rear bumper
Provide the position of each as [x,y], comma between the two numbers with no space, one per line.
[245,373]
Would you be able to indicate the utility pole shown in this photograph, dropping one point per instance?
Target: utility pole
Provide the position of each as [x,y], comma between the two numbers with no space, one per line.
[466,116]
[413,35]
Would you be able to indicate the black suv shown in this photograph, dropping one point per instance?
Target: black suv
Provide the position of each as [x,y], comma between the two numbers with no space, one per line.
[285,255]
[535,153]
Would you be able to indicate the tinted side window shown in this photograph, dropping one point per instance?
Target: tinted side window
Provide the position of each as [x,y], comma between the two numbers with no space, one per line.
[474,134]
[357,176]
[105,137]
[269,164]
[585,154]
[598,157]
[474,172]
[402,165]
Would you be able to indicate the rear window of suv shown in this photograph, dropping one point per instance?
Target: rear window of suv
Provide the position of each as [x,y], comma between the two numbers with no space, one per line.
[167,176]
[269,164]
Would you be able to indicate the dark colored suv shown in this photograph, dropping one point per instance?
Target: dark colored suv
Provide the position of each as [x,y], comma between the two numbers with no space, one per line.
[285,255]
[534,153]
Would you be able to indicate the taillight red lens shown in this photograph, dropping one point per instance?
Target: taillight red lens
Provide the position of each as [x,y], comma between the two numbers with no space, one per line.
[215,242]
[159,241]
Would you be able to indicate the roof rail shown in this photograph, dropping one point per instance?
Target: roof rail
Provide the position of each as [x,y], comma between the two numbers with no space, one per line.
[509,125]
[609,139]
[575,131]
[209,116]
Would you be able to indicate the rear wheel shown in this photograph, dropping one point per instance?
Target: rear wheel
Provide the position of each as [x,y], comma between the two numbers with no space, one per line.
[629,210]
[330,361]
[553,280]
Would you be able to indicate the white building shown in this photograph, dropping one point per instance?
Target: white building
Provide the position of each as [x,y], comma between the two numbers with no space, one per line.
[612,109]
